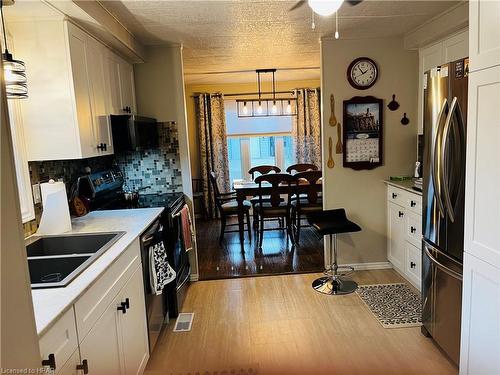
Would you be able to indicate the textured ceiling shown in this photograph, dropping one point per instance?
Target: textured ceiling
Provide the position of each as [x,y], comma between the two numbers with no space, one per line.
[227,36]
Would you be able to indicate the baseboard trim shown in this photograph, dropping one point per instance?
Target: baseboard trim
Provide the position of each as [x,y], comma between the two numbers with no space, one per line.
[194,277]
[369,266]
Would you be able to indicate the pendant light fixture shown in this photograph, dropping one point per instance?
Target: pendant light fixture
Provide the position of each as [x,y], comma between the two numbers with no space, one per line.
[325,7]
[14,70]
[274,108]
[337,35]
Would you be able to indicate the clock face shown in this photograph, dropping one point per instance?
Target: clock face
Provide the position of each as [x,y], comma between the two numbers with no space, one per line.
[362,73]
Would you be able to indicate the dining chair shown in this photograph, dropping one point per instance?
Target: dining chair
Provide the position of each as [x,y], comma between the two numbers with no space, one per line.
[261,170]
[310,201]
[227,206]
[273,205]
[301,167]
[198,196]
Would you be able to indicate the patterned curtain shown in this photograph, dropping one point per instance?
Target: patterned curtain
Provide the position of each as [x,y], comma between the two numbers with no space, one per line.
[213,145]
[306,129]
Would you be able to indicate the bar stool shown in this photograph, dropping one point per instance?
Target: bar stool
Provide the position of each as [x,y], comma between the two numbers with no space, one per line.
[330,223]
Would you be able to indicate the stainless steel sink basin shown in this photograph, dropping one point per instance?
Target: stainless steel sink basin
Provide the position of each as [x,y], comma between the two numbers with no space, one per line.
[54,261]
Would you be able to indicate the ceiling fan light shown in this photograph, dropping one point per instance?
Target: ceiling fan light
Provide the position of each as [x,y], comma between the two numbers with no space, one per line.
[325,7]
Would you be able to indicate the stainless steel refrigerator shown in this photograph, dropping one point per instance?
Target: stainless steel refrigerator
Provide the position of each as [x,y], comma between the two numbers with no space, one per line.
[445,107]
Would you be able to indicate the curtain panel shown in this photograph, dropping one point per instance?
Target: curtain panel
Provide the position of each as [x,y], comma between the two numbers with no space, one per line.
[211,119]
[306,128]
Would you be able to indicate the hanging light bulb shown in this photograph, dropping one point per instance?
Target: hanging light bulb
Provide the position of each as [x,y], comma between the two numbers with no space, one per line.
[313,24]
[274,109]
[337,35]
[259,108]
[289,107]
[325,7]
[245,108]
[14,70]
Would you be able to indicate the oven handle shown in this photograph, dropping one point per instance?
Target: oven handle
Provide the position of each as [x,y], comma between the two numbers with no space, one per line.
[185,279]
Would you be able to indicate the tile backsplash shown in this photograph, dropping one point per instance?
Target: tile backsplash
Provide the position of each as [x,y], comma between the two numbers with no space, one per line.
[158,168]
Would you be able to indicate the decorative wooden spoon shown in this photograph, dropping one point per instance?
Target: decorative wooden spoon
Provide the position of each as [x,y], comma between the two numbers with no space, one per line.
[330,163]
[333,119]
[338,146]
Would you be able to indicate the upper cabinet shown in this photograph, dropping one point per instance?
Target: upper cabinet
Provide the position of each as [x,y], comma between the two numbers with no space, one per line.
[452,48]
[75,83]
[484,15]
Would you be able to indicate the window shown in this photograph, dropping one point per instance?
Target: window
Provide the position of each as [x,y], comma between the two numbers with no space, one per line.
[257,141]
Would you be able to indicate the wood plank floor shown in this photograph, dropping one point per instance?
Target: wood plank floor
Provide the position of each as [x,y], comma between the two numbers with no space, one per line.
[280,325]
[217,261]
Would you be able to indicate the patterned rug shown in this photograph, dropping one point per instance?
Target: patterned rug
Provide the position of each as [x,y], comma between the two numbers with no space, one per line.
[394,305]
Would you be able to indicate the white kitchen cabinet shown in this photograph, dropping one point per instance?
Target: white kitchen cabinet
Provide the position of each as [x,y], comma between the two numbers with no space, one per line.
[451,48]
[484,24]
[70,367]
[133,326]
[404,233]
[73,87]
[480,336]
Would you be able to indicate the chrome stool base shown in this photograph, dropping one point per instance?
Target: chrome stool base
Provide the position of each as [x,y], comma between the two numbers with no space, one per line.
[331,286]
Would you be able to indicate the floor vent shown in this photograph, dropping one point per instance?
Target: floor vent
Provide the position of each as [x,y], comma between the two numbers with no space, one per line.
[184,322]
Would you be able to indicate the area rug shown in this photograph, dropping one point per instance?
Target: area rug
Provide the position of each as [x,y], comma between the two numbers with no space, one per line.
[394,305]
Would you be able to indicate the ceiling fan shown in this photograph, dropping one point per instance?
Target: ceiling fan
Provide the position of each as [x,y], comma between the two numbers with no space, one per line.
[324,7]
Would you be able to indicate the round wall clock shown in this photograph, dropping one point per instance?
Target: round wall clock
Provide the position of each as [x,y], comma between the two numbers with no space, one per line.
[362,73]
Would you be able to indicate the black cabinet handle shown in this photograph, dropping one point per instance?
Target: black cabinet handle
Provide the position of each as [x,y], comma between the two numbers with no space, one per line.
[401,214]
[127,109]
[122,308]
[413,264]
[127,303]
[51,362]
[413,203]
[413,229]
[394,195]
[102,146]
[84,366]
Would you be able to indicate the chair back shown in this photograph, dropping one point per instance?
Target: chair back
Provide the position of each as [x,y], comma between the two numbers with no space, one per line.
[308,184]
[284,180]
[263,169]
[197,184]
[215,187]
[295,168]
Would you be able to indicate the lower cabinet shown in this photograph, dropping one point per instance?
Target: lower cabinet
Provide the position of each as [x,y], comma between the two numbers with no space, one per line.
[117,340]
[404,233]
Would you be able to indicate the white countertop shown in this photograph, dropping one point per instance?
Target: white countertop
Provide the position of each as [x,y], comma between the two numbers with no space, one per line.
[50,304]
[405,185]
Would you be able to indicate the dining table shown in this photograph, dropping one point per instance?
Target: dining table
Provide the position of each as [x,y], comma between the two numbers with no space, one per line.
[244,189]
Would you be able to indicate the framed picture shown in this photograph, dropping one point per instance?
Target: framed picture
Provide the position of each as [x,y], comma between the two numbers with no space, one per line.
[363,124]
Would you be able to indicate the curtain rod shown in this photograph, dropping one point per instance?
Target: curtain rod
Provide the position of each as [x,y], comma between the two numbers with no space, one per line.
[251,93]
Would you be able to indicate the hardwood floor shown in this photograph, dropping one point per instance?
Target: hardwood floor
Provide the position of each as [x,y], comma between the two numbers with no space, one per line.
[280,325]
[277,257]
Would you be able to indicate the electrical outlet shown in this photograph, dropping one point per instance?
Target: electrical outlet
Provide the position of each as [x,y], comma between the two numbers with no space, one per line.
[37,194]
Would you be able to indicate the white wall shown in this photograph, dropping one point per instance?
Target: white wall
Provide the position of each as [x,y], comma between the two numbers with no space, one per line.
[159,91]
[363,193]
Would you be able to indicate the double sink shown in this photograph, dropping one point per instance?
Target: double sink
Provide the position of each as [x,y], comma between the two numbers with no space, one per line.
[54,261]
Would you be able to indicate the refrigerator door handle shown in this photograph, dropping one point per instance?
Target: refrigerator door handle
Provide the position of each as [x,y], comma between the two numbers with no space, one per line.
[441,266]
[435,167]
[454,118]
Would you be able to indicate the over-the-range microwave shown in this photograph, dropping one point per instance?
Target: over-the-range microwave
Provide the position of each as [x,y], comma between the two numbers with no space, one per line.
[133,133]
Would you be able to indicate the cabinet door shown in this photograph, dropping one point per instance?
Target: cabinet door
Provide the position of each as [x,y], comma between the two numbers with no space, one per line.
[102,346]
[482,197]
[133,325]
[69,367]
[480,336]
[456,47]
[101,124]
[127,85]
[113,95]
[413,264]
[77,40]
[484,39]
[396,235]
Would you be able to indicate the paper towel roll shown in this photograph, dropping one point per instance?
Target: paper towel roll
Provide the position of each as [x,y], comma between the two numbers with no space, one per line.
[55,215]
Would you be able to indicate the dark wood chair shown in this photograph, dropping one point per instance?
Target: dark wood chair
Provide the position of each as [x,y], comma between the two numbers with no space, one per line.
[301,167]
[198,196]
[260,170]
[310,200]
[273,206]
[228,206]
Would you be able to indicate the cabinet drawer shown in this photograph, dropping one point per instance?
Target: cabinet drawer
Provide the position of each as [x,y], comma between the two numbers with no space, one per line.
[413,228]
[414,203]
[396,195]
[60,340]
[94,302]
[413,266]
